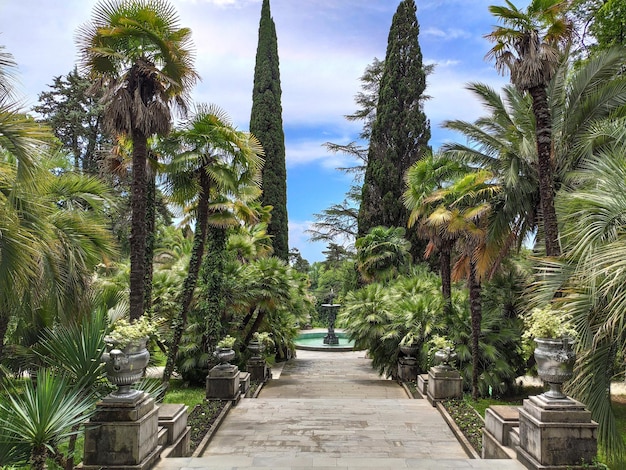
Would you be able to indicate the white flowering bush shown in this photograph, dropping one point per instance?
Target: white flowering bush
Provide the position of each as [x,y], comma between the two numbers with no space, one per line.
[227,342]
[124,332]
[547,322]
[263,338]
[441,343]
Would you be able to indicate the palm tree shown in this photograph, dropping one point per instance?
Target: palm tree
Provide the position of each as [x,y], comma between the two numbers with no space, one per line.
[20,140]
[382,253]
[464,209]
[503,141]
[138,52]
[528,46]
[423,178]
[214,160]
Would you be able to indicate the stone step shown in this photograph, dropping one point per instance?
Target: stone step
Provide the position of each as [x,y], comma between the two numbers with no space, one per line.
[514,437]
[303,461]
[162,436]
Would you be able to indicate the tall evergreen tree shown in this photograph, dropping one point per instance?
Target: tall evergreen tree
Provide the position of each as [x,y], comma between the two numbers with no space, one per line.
[401,131]
[266,123]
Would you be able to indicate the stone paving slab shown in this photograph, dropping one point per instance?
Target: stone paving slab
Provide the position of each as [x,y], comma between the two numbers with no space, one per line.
[333,411]
[340,428]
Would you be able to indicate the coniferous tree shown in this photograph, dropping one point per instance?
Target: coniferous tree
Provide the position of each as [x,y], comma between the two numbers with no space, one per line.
[401,131]
[266,123]
[75,116]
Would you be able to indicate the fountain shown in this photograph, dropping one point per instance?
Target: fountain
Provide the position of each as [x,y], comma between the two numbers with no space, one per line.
[331,337]
[331,340]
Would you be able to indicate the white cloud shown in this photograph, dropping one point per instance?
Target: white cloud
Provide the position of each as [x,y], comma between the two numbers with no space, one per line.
[448,34]
[298,238]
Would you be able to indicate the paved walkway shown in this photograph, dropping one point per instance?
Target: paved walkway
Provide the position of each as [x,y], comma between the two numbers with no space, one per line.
[329,410]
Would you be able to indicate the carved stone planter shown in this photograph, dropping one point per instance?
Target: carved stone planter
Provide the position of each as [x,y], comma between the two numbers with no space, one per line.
[410,350]
[443,358]
[125,365]
[224,355]
[256,348]
[555,364]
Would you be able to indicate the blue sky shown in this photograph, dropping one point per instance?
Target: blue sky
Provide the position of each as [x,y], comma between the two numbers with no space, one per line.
[324,47]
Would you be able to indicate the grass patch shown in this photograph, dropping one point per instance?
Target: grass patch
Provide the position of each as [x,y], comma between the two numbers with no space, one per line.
[180,392]
[515,399]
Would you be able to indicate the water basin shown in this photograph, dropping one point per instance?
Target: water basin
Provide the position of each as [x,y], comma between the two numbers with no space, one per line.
[315,342]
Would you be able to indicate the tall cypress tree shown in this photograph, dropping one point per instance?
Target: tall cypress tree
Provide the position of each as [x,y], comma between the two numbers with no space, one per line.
[266,123]
[401,131]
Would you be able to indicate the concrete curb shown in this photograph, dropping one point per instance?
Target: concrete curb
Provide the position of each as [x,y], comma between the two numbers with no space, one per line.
[204,443]
[467,447]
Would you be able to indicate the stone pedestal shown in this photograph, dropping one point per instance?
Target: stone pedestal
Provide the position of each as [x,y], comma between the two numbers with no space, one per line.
[122,436]
[407,369]
[556,434]
[257,367]
[422,384]
[499,422]
[244,382]
[173,418]
[223,383]
[444,383]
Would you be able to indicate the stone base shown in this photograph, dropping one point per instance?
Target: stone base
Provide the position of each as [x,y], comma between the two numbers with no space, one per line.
[407,369]
[148,463]
[223,383]
[499,422]
[244,382]
[259,372]
[556,434]
[122,437]
[444,384]
[181,447]
[173,417]
[422,384]
[492,449]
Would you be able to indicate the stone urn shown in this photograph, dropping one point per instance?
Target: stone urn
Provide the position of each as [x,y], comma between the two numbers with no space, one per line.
[125,365]
[410,350]
[256,348]
[224,355]
[443,358]
[555,364]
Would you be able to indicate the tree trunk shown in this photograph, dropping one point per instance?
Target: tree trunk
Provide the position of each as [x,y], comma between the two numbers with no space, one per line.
[476,319]
[150,228]
[38,457]
[247,318]
[446,274]
[543,131]
[71,447]
[138,226]
[255,326]
[189,286]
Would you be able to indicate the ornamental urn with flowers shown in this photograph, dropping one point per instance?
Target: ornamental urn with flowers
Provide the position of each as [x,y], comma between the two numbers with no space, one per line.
[552,331]
[258,344]
[126,355]
[444,355]
[224,351]
[409,345]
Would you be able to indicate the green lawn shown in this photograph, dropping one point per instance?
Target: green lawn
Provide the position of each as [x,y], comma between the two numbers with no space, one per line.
[189,395]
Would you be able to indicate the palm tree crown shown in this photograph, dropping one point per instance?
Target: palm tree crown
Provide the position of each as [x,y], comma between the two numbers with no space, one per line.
[145,62]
